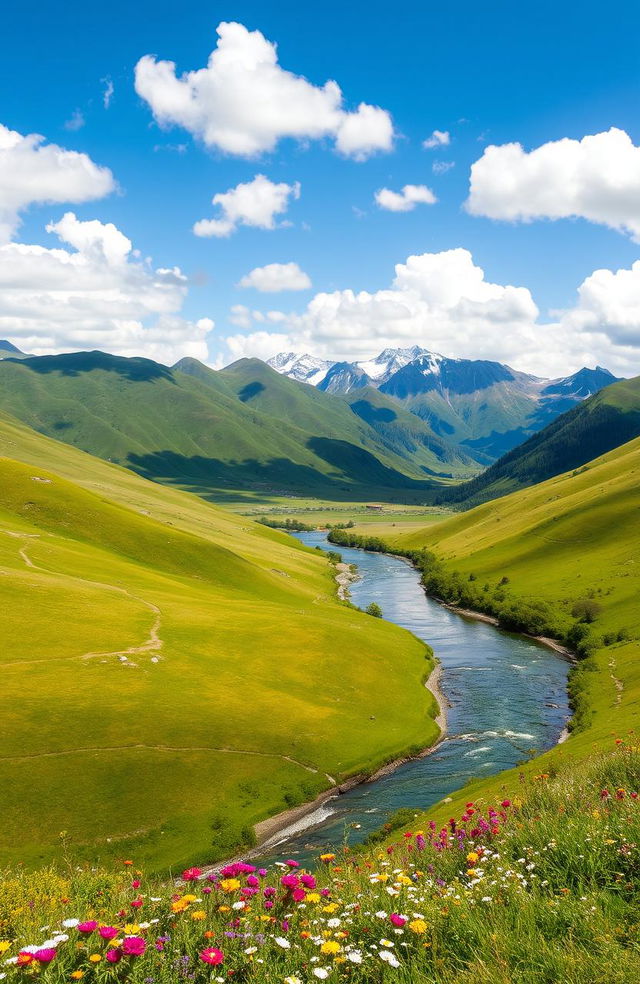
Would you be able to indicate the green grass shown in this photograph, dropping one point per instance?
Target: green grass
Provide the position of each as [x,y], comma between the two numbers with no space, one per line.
[250,687]
[198,432]
[541,886]
[573,537]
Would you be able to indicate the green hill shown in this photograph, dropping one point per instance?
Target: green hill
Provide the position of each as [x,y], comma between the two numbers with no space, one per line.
[366,418]
[604,421]
[173,427]
[170,672]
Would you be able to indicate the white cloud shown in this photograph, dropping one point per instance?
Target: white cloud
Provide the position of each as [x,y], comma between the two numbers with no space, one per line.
[76,121]
[441,167]
[96,295]
[254,203]
[443,302]
[275,277]
[243,102]
[596,178]
[107,94]
[405,200]
[32,171]
[439,138]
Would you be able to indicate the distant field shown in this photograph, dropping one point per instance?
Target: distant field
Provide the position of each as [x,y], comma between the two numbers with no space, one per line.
[174,672]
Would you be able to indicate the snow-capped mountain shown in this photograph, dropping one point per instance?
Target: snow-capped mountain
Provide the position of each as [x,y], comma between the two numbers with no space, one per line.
[304,368]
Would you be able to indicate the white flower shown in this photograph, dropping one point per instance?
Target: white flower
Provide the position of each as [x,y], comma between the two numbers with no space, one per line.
[389,958]
[354,956]
[321,972]
[239,905]
[250,950]
[281,941]
[70,923]
[333,923]
[381,914]
[386,943]
[292,980]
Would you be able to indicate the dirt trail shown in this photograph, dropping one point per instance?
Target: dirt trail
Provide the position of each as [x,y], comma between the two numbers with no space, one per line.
[618,684]
[152,644]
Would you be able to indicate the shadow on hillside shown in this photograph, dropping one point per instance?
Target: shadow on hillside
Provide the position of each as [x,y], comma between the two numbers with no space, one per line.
[210,477]
[373,415]
[76,363]
[250,390]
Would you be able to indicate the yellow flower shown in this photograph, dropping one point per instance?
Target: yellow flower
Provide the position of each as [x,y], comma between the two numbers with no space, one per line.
[77,975]
[404,880]
[95,958]
[332,907]
[4,945]
[313,897]
[472,857]
[330,947]
[471,873]
[230,884]
[132,929]
[189,898]
[199,915]
[179,906]
[224,908]
[418,926]
[327,857]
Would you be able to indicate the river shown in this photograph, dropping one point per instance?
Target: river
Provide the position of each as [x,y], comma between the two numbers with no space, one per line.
[507,696]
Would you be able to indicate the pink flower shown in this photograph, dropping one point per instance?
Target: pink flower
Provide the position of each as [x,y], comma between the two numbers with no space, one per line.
[252,881]
[506,804]
[191,874]
[136,903]
[89,926]
[114,956]
[108,932]
[207,890]
[292,864]
[212,956]
[290,881]
[134,946]
[308,881]
[299,895]
[397,920]
[135,883]
[268,904]
[45,955]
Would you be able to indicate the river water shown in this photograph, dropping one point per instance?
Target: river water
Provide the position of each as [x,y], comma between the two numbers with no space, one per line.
[507,697]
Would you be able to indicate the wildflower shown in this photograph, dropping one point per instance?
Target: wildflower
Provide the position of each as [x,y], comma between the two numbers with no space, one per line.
[292,980]
[108,932]
[134,946]
[70,923]
[198,915]
[87,927]
[418,926]
[179,905]
[327,857]
[330,947]
[77,975]
[284,943]
[230,884]
[211,955]
[191,874]
[4,945]
[321,972]
[95,958]
[389,958]
[45,955]
[397,920]
[114,956]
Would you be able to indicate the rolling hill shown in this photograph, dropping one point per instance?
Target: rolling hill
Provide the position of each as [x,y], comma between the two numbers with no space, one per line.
[604,421]
[194,430]
[170,673]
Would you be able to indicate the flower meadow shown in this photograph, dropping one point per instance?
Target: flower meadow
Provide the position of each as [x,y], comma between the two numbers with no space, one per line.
[541,886]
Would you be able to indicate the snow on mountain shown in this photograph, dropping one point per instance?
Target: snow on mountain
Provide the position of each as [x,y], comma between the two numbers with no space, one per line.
[305,368]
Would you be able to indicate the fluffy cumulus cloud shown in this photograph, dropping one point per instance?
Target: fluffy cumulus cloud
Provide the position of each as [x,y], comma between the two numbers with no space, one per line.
[95,294]
[244,102]
[596,178]
[275,277]
[254,203]
[405,200]
[439,138]
[33,171]
[444,302]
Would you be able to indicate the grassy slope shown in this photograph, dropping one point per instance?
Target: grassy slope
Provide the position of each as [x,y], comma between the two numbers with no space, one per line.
[175,428]
[603,422]
[559,541]
[249,704]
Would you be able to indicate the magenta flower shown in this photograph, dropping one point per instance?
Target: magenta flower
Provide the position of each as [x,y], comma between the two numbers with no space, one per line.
[45,955]
[89,926]
[191,874]
[212,955]
[397,920]
[108,932]
[114,956]
[134,946]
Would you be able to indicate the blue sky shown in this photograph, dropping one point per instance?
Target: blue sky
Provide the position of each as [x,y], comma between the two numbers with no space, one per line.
[487,74]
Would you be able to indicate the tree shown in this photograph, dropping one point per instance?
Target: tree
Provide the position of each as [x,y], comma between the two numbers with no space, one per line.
[374,610]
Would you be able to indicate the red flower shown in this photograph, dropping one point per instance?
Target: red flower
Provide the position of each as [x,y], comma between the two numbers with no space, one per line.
[191,874]
[212,956]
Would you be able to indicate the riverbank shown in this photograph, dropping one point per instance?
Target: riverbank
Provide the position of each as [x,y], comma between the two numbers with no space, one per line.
[547,641]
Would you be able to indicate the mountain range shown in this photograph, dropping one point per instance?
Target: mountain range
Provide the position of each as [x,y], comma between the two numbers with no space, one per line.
[485,408]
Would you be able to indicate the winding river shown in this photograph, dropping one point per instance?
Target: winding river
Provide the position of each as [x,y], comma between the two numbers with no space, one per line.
[507,697]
